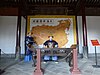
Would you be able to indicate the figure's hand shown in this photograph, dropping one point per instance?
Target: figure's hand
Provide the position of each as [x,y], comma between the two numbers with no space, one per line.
[44,46]
[27,42]
[56,45]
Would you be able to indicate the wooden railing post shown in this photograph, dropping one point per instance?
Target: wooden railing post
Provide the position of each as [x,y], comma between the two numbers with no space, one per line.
[75,70]
[38,70]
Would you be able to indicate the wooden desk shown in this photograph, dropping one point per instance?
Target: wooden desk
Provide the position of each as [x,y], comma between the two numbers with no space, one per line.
[66,53]
[59,52]
[55,51]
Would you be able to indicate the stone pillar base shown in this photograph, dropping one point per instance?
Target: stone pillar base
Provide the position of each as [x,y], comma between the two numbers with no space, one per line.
[75,71]
[18,53]
[38,72]
[85,51]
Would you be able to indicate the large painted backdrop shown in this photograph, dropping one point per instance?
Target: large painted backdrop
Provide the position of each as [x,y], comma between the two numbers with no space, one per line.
[63,28]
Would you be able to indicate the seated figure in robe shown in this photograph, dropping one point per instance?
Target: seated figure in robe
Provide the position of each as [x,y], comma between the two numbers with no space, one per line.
[50,44]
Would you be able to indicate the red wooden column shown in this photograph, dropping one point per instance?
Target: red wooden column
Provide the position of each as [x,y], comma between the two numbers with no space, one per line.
[75,70]
[18,36]
[77,30]
[77,34]
[84,26]
[26,33]
[38,70]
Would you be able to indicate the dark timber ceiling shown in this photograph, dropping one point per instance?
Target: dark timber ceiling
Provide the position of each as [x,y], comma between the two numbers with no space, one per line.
[50,7]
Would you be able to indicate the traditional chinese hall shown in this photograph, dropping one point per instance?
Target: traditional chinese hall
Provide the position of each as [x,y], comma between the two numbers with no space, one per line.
[49,37]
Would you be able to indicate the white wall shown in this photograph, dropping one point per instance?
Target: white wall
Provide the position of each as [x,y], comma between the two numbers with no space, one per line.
[93,29]
[93,32]
[8,25]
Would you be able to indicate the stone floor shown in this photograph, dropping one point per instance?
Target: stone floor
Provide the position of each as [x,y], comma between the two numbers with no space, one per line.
[50,68]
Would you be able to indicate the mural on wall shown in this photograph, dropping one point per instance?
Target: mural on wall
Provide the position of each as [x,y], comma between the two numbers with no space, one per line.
[62,28]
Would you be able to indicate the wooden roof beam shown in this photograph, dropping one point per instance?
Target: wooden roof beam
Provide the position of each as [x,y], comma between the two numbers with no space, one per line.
[8,11]
[78,7]
[97,4]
